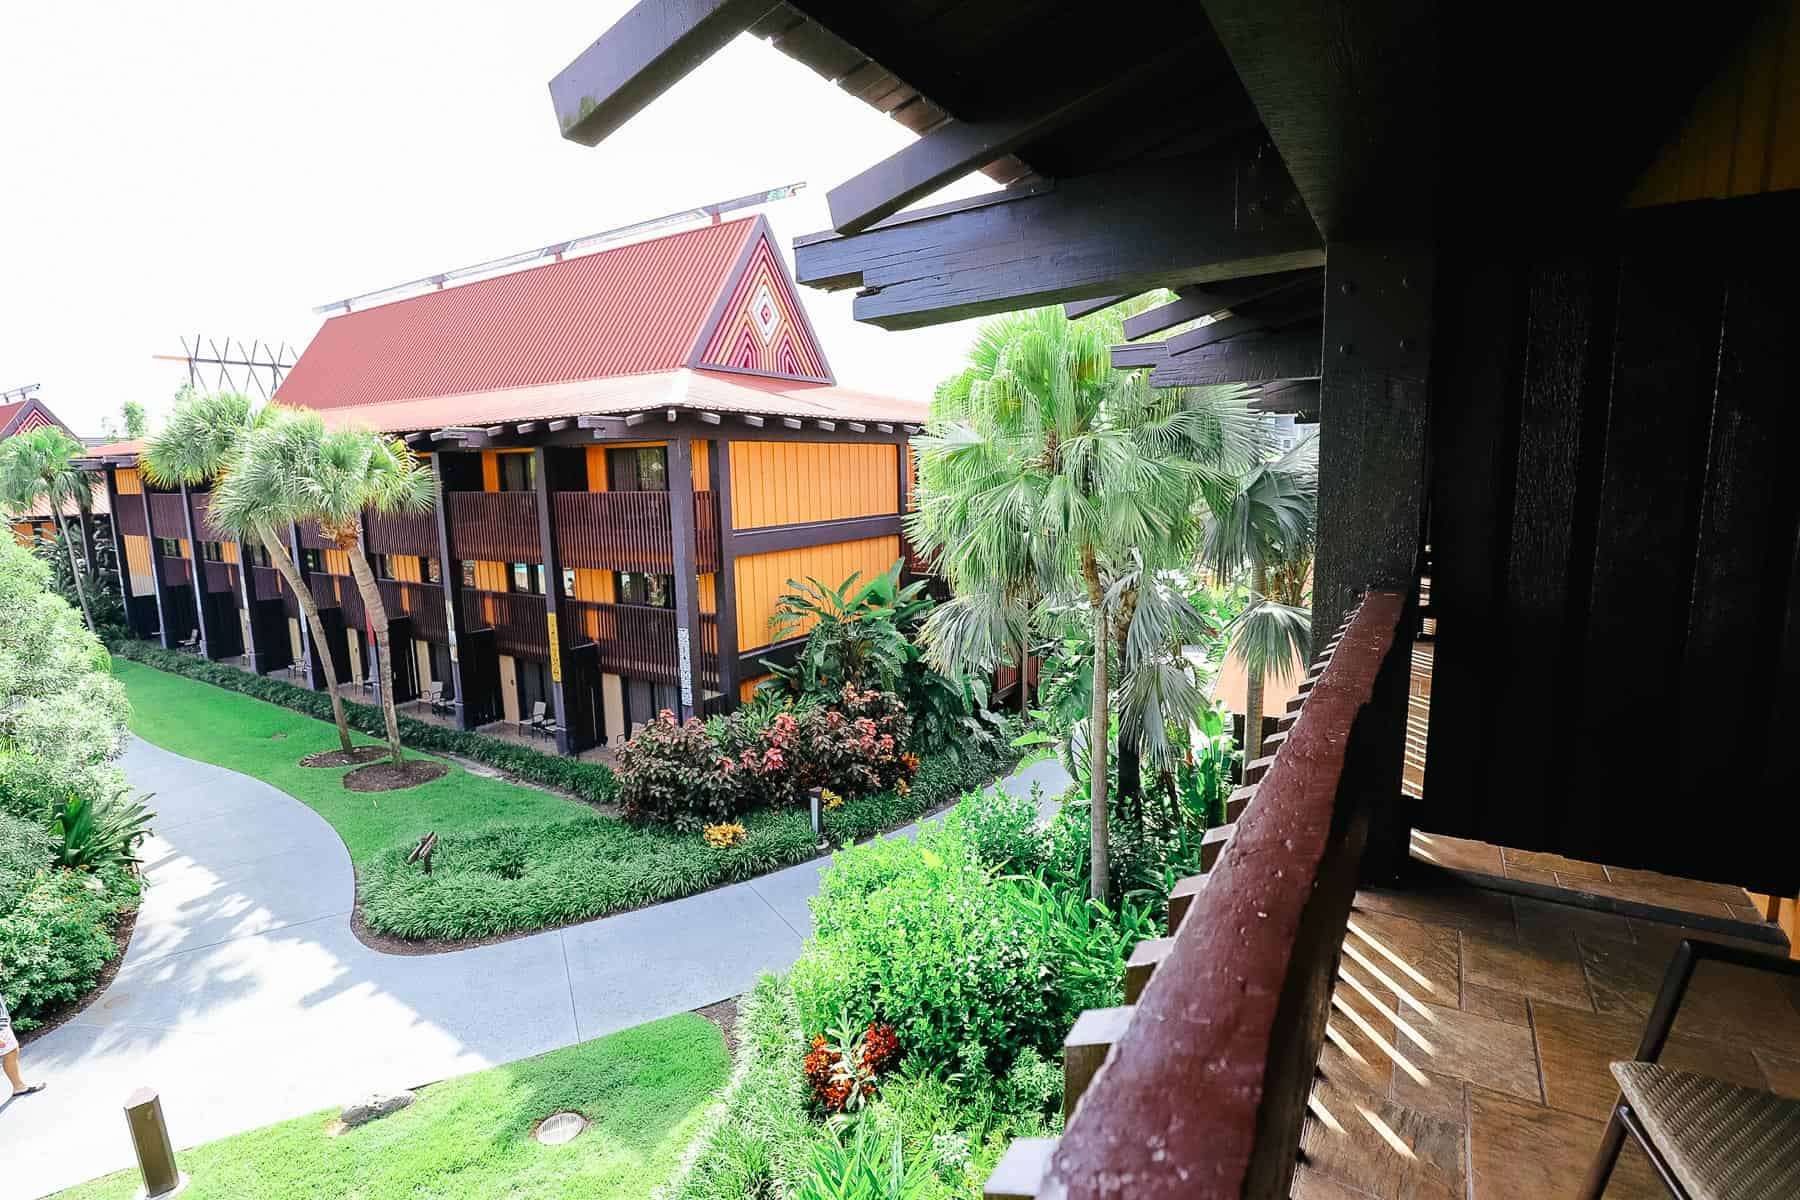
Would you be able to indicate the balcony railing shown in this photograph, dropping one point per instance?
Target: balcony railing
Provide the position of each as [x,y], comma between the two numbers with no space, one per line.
[174,571]
[517,619]
[202,526]
[404,533]
[633,639]
[1206,1078]
[614,531]
[130,515]
[312,539]
[269,585]
[706,532]
[222,577]
[423,602]
[168,516]
[495,527]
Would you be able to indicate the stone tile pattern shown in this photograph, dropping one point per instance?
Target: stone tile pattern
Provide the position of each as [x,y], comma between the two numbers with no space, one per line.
[1467,1049]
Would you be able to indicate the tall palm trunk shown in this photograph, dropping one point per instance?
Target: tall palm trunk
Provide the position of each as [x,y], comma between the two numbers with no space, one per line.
[74,567]
[309,611]
[1253,681]
[1024,673]
[378,621]
[1098,845]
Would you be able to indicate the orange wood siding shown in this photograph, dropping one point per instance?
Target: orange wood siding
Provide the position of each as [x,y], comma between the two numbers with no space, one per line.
[762,578]
[1742,136]
[596,468]
[337,562]
[228,551]
[747,688]
[593,585]
[702,459]
[785,483]
[126,479]
[490,576]
[406,566]
[137,557]
[709,593]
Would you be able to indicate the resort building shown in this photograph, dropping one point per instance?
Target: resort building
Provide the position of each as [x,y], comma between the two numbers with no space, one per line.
[23,415]
[635,450]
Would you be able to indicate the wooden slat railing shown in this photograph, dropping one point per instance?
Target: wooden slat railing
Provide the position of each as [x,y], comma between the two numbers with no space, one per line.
[168,516]
[222,577]
[614,531]
[311,538]
[495,527]
[916,563]
[130,516]
[174,571]
[270,584]
[634,640]
[423,602]
[706,532]
[202,526]
[517,620]
[404,533]
[1199,1090]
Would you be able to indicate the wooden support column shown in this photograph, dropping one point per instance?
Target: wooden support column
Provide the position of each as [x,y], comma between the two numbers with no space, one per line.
[546,517]
[1373,398]
[309,648]
[161,589]
[687,583]
[197,577]
[118,540]
[718,465]
[253,647]
[450,575]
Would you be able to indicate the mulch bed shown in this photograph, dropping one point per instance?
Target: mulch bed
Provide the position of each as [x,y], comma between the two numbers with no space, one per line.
[724,1015]
[394,776]
[121,938]
[337,758]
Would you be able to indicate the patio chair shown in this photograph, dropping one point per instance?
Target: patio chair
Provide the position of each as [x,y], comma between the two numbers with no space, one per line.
[1707,1139]
[537,721]
[434,696]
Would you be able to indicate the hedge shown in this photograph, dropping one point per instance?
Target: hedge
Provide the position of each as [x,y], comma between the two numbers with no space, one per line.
[593,782]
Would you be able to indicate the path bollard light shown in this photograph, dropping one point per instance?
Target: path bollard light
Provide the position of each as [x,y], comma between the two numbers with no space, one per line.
[150,1140]
[813,798]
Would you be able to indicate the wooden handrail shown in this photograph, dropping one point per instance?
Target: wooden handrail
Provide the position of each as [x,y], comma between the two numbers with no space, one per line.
[1204,1093]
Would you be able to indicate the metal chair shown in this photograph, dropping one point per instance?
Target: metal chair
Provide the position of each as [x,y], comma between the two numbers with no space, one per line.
[1707,1139]
[538,721]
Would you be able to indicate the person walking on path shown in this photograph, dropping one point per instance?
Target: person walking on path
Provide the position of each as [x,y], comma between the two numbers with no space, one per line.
[9,1055]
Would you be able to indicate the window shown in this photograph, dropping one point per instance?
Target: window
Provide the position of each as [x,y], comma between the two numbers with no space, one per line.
[568,582]
[171,547]
[636,587]
[312,561]
[468,574]
[518,472]
[212,552]
[528,578]
[428,570]
[256,554]
[640,469]
[381,566]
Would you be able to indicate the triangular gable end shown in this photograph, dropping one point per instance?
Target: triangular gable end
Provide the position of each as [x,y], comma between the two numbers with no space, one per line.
[759,326]
[34,415]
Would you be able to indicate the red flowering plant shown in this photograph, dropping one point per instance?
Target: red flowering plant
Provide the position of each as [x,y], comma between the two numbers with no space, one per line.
[672,773]
[856,746]
[844,1065]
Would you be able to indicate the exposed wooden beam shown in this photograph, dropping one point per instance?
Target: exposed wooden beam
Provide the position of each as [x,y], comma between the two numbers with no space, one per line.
[495,431]
[956,148]
[1296,303]
[856,427]
[527,427]
[558,426]
[883,427]
[1144,354]
[1196,302]
[1077,309]
[753,421]
[790,422]
[1292,355]
[828,426]
[710,418]
[1294,396]
[672,414]
[633,420]
[1145,225]
[641,56]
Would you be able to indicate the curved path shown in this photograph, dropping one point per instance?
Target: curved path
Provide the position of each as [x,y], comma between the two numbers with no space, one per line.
[244,998]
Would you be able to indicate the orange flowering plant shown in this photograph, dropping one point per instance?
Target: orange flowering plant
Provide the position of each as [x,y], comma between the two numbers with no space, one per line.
[843,1068]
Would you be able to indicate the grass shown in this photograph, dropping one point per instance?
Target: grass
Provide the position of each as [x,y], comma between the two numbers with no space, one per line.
[266,742]
[509,858]
[647,1091]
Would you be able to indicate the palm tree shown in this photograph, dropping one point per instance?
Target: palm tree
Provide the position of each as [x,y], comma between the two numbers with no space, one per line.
[294,466]
[202,442]
[1047,473]
[1262,528]
[36,466]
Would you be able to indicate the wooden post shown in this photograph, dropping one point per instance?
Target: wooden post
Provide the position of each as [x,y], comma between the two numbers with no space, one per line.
[450,575]
[718,464]
[309,649]
[197,576]
[687,583]
[118,540]
[253,647]
[157,586]
[1373,399]
[150,1141]
[546,517]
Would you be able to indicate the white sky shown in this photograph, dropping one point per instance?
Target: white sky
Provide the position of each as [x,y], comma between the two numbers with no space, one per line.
[222,168]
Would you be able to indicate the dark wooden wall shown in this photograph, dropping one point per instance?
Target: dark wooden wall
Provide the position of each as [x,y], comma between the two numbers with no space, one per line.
[1615,500]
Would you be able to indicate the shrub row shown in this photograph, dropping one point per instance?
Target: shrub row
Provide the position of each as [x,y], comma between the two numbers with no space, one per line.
[56,935]
[513,878]
[593,782]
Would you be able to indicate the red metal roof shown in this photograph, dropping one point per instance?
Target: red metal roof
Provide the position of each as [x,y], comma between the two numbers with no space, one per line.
[9,411]
[626,311]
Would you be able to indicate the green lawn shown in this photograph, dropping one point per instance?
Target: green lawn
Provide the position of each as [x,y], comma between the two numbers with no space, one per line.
[645,1089]
[267,742]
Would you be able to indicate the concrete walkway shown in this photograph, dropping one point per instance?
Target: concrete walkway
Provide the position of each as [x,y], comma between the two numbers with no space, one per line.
[245,999]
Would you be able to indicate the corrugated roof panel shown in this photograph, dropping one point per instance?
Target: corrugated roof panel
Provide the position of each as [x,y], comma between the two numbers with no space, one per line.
[632,309]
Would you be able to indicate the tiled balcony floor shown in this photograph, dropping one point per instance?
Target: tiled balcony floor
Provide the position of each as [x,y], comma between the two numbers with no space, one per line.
[1471,1030]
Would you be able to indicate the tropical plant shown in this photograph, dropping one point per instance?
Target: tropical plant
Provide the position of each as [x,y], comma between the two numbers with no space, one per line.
[1261,529]
[37,466]
[293,468]
[100,579]
[855,634]
[868,1165]
[1047,475]
[91,834]
[202,442]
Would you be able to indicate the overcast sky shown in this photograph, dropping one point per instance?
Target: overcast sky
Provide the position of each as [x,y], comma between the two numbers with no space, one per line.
[222,168]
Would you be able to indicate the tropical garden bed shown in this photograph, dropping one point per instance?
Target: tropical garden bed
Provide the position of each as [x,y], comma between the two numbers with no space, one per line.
[644,1093]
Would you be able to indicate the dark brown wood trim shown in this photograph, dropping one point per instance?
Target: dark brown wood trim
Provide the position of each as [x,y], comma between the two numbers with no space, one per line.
[718,463]
[1263,359]
[118,540]
[723,300]
[761,230]
[750,662]
[450,576]
[745,542]
[687,581]
[197,576]
[556,637]
[157,585]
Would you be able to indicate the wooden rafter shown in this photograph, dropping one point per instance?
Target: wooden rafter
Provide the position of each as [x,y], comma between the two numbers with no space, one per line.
[1264,359]
[1196,302]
